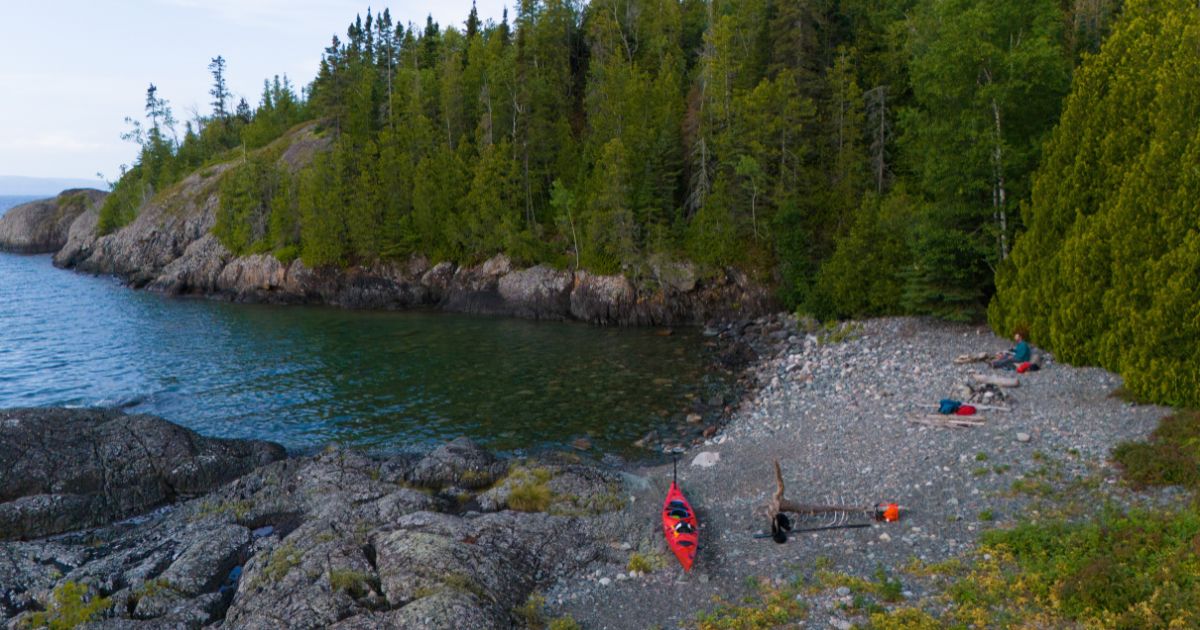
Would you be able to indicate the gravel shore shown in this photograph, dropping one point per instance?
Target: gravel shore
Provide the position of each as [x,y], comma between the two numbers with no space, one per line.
[835,415]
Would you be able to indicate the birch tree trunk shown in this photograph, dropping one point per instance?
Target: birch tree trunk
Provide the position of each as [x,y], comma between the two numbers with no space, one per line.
[999,193]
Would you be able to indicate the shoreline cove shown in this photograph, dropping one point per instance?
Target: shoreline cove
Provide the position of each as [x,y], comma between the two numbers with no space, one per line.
[338,539]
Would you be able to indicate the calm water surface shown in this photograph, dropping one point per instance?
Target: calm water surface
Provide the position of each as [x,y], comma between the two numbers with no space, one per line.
[305,376]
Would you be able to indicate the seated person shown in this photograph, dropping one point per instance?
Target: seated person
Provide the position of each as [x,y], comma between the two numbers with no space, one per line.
[1020,353]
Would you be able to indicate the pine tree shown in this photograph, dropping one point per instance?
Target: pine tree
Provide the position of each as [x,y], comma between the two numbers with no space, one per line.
[220,90]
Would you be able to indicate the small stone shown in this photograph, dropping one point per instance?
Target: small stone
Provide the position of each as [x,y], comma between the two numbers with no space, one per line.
[884,537]
[1023,437]
[605,581]
[582,444]
[710,431]
[840,624]
[706,459]
[694,418]
[843,591]
[704,578]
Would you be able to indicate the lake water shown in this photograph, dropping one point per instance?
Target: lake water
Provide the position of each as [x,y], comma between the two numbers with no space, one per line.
[307,376]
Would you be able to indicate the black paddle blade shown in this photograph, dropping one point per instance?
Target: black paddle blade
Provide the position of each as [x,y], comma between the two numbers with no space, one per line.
[780,526]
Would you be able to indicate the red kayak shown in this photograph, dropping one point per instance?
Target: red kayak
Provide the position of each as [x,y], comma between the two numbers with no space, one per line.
[680,527]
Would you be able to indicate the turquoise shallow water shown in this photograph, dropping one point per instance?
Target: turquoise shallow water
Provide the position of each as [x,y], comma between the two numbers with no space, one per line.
[306,376]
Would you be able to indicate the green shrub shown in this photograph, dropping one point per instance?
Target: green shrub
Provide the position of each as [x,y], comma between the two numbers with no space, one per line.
[1133,571]
[1171,457]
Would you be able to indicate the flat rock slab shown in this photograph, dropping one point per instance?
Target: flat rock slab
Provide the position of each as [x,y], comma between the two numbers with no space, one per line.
[67,469]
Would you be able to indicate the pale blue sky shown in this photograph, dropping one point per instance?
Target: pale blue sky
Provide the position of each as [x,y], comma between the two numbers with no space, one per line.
[74,69]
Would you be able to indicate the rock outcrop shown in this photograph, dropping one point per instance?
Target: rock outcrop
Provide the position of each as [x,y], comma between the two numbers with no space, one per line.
[66,469]
[41,227]
[170,248]
[336,540]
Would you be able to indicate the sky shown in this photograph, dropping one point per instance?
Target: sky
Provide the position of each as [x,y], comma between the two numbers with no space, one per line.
[75,69]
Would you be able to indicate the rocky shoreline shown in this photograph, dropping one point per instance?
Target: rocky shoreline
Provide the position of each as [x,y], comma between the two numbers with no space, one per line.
[459,538]
[452,539]
[170,248]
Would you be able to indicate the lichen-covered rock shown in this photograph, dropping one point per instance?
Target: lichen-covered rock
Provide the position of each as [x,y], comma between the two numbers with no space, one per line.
[65,469]
[204,563]
[571,490]
[447,608]
[40,227]
[318,575]
[333,540]
[460,462]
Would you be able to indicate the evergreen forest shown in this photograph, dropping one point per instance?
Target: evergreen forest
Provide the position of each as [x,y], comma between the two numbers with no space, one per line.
[865,157]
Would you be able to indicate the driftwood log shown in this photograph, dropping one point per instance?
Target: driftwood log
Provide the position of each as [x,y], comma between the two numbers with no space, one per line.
[977,406]
[948,422]
[780,503]
[973,357]
[999,381]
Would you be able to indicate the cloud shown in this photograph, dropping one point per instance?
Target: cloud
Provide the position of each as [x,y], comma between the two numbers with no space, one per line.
[50,142]
[262,12]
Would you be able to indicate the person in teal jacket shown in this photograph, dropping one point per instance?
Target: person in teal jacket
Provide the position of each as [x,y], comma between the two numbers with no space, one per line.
[1020,353]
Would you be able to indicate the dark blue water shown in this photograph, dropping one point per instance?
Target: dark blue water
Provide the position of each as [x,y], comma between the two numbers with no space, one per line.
[306,376]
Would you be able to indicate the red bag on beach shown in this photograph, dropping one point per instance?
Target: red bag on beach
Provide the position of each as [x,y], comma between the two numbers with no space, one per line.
[965,410]
[1023,367]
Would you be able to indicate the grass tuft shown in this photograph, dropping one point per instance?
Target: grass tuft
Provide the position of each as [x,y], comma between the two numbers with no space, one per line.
[71,605]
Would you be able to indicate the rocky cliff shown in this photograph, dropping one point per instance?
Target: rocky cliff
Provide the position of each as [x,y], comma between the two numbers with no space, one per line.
[41,227]
[169,247]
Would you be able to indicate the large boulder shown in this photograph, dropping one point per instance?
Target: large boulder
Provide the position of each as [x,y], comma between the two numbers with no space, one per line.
[198,271]
[539,292]
[66,469]
[460,462]
[602,299]
[41,227]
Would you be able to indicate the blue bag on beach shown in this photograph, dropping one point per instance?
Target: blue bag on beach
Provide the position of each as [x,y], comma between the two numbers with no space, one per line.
[948,406]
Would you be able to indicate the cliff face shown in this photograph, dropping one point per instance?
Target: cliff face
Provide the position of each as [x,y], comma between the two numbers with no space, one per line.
[169,248]
[41,227]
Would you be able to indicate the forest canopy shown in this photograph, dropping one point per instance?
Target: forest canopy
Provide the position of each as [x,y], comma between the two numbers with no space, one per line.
[865,157]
